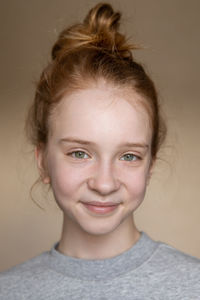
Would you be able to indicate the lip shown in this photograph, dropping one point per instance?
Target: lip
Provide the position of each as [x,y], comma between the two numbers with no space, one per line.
[100,207]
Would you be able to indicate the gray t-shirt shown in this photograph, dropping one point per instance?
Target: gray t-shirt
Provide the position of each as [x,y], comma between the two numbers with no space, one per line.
[149,270]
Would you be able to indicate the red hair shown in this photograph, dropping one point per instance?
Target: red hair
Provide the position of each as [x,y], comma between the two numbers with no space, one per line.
[86,52]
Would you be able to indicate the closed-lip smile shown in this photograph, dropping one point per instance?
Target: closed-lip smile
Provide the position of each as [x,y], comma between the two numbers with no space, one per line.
[103,204]
[100,207]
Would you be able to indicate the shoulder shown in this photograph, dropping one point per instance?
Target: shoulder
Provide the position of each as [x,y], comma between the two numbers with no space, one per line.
[179,260]
[175,268]
[20,279]
[170,274]
[25,267]
[166,258]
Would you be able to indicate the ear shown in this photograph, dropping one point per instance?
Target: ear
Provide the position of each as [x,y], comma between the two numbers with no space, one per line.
[40,158]
[151,167]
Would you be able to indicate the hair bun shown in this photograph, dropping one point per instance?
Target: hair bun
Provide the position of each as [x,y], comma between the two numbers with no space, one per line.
[98,30]
[102,18]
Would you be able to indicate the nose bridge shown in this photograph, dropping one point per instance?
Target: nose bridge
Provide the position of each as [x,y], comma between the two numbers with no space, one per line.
[104,179]
[105,170]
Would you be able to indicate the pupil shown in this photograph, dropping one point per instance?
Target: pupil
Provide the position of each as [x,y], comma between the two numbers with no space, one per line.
[129,156]
[79,154]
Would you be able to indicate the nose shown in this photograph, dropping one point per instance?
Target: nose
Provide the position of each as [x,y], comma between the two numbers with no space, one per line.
[103,181]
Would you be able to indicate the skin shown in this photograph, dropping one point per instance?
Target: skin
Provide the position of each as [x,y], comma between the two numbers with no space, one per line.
[99,149]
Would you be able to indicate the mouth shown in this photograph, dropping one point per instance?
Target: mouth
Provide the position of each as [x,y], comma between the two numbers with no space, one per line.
[100,207]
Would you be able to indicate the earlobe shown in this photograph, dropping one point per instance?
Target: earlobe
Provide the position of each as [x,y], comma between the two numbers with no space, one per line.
[39,155]
[46,179]
[149,177]
[151,167]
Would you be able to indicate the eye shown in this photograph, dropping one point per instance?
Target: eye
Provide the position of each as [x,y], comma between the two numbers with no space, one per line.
[129,157]
[79,154]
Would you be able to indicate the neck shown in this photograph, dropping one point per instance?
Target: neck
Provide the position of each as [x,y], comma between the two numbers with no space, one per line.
[80,244]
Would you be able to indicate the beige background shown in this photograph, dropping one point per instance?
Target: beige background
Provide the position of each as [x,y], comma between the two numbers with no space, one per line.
[170,32]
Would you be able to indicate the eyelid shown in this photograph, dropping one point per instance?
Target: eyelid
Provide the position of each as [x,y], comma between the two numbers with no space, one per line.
[138,156]
[131,153]
[69,153]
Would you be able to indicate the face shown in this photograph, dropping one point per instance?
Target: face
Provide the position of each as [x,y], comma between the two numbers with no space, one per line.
[98,157]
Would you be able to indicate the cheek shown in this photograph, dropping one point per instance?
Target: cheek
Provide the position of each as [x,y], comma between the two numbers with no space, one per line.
[65,181]
[136,182]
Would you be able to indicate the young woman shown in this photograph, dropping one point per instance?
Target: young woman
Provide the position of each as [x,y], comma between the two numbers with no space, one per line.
[96,128]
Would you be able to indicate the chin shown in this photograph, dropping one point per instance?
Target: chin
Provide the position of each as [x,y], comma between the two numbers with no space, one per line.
[101,226]
[98,230]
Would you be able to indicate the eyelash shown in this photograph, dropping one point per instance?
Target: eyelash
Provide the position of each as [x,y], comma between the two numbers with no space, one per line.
[133,155]
[73,153]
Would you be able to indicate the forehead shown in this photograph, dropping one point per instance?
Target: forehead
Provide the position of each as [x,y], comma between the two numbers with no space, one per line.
[101,112]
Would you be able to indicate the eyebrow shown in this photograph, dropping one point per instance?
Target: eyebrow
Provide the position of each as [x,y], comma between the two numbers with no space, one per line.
[77,141]
[84,142]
